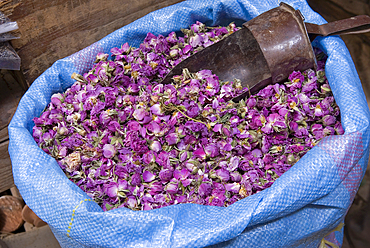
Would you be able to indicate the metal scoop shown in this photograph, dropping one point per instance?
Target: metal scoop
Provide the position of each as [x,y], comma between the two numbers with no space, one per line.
[267,49]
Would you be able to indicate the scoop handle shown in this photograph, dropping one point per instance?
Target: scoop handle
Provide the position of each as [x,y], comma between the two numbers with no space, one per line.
[354,25]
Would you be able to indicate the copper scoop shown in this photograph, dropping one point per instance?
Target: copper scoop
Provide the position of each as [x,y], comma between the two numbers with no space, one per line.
[267,49]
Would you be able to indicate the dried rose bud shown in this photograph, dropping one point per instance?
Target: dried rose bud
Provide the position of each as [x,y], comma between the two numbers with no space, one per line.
[148,176]
[109,151]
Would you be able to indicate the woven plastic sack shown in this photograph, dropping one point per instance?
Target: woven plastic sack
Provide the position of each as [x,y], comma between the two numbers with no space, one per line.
[301,208]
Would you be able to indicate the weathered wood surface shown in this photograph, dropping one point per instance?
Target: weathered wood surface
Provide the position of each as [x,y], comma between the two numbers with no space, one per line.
[53,29]
[357,220]
[6,175]
[35,238]
[10,94]
[3,134]
[359,44]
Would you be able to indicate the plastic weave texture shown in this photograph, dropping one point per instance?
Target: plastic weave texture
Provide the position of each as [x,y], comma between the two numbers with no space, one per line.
[301,208]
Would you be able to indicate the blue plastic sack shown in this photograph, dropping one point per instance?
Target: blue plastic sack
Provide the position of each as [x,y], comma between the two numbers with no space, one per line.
[301,208]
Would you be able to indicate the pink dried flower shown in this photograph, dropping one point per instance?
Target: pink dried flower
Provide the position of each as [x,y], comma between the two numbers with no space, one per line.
[126,139]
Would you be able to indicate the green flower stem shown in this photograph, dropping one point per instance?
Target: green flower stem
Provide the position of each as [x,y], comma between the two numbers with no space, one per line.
[208,126]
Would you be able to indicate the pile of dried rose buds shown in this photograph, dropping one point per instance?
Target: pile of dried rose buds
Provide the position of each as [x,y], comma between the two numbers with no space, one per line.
[129,141]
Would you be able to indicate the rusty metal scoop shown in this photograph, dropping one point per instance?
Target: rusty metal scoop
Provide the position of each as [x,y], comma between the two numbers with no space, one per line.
[267,49]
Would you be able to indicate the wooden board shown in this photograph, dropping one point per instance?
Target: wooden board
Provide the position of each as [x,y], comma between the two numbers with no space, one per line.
[53,29]
[359,44]
[11,92]
[3,134]
[6,175]
[35,238]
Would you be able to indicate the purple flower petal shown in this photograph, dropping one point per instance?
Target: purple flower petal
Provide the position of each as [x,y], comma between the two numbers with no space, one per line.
[165,175]
[193,110]
[186,182]
[172,188]
[155,146]
[109,151]
[234,163]
[205,189]
[200,153]
[172,139]
[135,179]
[217,128]
[329,120]
[196,40]
[57,99]
[153,128]
[155,187]
[338,128]
[212,150]
[317,131]
[156,109]
[180,175]
[233,187]
[149,157]
[131,202]
[111,189]
[148,176]
[139,114]
[235,176]
[122,185]
[223,174]
[147,206]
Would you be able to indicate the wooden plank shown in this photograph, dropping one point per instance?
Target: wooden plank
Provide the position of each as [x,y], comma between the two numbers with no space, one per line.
[359,44]
[333,10]
[35,238]
[51,30]
[11,92]
[7,6]
[3,134]
[15,192]
[6,175]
